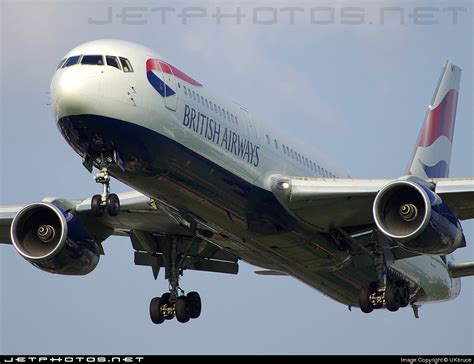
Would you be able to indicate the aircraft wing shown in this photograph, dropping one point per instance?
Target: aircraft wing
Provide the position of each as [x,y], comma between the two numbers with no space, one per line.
[139,212]
[7,213]
[146,221]
[330,203]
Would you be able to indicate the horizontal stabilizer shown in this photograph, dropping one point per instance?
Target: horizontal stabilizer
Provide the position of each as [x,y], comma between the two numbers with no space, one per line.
[461,269]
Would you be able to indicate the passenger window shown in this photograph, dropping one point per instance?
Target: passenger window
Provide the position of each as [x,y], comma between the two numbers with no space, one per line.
[276,143]
[236,120]
[185,90]
[194,95]
[220,111]
[319,170]
[292,155]
[228,117]
[72,61]
[126,65]
[232,117]
[112,61]
[179,85]
[202,101]
[268,139]
[223,112]
[207,104]
[61,63]
[93,60]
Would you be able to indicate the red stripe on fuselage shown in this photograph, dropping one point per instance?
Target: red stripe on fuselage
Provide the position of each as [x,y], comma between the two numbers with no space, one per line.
[440,120]
[154,64]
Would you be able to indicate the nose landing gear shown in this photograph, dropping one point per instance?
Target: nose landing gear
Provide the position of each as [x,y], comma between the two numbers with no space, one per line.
[106,202]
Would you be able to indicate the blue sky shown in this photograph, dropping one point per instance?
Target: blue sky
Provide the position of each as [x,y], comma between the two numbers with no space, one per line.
[357,92]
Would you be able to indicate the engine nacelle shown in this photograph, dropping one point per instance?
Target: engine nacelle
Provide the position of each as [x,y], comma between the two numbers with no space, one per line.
[416,218]
[54,240]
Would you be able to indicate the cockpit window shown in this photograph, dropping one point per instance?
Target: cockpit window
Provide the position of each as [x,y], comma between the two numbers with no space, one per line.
[97,60]
[112,61]
[71,61]
[126,65]
[61,63]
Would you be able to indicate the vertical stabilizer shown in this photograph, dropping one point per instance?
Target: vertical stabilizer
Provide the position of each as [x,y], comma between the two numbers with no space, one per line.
[432,154]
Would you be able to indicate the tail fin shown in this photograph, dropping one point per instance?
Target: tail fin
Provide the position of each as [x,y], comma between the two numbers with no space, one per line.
[432,154]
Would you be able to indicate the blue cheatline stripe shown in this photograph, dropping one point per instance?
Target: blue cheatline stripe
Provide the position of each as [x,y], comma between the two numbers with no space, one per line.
[159,85]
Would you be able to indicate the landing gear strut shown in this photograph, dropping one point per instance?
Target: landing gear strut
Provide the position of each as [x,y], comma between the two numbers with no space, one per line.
[175,303]
[388,291]
[106,202]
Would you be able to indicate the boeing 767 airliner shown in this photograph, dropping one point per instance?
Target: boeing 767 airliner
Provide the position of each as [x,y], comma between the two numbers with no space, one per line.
[213,186]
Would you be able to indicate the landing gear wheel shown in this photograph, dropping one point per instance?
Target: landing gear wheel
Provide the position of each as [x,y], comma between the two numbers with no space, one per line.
[155,311]
[193,301]
[113,204]
[165,300]
[96,205]
[404,293]
[365,303]
[181,310]
[392,297]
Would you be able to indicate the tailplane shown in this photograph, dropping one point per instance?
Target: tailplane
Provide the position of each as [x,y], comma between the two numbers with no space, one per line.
[432,154]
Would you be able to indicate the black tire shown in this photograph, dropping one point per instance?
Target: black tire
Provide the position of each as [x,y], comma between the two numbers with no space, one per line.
[96,208]
[155,311]
[113,204]
[194,304]
[165,300]
[181,310]
[364,298]
[404,290]
[392,297]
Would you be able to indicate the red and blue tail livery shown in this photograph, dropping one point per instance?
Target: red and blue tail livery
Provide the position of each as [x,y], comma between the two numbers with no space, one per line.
[432,154]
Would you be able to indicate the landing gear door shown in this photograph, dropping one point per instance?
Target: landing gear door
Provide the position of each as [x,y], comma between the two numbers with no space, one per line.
[171,97]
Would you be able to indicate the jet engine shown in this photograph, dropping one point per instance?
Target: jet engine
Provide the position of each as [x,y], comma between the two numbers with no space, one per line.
[416,218]
[54,240]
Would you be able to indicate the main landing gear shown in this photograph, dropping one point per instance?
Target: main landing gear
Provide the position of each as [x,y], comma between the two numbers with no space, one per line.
[393,295]
[106,202]
[168,306]
[175,303]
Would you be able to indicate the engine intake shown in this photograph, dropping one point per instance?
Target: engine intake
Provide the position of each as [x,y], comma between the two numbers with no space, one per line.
[53,240]
[416,218]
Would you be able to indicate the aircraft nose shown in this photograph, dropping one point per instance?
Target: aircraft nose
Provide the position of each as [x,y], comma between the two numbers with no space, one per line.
[74,91]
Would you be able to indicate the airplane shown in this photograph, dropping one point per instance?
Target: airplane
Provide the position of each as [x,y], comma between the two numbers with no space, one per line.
[213,186]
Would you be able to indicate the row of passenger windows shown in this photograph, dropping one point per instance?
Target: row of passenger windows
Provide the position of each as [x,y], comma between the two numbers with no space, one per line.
[302,159]
[121,63]
[209,104]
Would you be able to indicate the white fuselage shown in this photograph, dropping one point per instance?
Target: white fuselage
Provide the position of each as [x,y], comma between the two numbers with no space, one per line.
[225,134]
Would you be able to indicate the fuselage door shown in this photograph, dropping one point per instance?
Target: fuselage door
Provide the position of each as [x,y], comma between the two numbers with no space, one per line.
[171,89]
